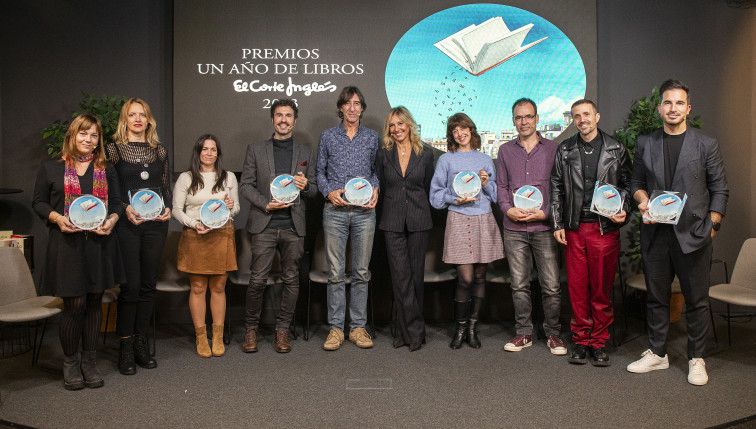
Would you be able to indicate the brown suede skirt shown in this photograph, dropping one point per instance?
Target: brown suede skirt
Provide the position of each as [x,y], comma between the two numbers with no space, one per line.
[209,254]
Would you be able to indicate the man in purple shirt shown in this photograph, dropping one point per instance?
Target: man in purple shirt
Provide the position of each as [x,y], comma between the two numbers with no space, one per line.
[527,160]
[347,151]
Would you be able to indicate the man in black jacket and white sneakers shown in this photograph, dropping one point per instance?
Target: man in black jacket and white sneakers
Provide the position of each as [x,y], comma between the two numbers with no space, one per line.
[677,158]
[593,241]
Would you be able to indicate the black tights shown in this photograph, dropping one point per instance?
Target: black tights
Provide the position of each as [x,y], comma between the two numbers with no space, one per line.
[471,282]
[81,318]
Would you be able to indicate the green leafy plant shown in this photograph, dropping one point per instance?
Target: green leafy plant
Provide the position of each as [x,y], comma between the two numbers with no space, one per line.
[105,107]
[643,119]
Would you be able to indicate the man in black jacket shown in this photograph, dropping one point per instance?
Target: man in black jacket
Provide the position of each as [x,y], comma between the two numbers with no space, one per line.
[593,243]
[681,159]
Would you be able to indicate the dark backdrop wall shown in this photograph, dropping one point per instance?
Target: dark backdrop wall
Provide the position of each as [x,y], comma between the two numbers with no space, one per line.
[53,50]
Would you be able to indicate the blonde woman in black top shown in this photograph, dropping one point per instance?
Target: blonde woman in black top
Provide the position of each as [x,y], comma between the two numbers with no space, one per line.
[141,162]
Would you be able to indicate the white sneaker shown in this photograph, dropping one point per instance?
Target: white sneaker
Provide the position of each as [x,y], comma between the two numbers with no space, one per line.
[697,372]
[649,362]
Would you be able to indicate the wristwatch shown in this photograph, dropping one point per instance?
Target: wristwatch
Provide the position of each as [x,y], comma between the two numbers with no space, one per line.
[716,225]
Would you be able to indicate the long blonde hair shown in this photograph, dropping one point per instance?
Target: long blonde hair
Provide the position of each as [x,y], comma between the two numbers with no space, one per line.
[83,122]
[122,133]
[405,116]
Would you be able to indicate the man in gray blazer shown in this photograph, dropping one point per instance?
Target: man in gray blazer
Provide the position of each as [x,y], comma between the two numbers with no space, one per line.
[276,226]
[677,158]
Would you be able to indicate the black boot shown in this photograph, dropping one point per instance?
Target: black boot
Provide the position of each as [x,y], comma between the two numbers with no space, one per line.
[126,363]
[92,377]
[472,330]
[462,313]
[72,378]
[142,352]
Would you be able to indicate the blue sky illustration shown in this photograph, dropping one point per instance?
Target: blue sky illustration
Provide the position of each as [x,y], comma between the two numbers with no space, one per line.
[433,86]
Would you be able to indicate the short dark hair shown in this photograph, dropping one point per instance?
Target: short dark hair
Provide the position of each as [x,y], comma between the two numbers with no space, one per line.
[674,84]
[464,121]
[284,102]
[584,101]
[346,94]
[523,101]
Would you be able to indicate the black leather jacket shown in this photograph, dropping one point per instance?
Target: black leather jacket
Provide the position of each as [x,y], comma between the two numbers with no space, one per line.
[614,167]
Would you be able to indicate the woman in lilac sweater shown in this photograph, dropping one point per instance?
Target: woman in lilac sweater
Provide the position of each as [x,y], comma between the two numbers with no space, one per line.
[472,238]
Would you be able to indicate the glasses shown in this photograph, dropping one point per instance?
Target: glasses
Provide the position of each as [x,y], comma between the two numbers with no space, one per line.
[521,118]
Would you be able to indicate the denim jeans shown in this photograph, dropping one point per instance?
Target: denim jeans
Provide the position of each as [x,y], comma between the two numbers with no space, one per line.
[339,224]
[521,248]
[264,246]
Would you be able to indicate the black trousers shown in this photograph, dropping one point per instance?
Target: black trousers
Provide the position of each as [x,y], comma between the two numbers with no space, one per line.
[264,247]
[406,257]
[663,260]
[141,251]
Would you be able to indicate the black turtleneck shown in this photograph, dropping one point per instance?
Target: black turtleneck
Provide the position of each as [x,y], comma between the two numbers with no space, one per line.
[282,154]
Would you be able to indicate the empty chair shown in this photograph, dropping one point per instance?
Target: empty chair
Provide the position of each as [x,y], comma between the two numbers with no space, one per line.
[19,303]
[170,279]
[741,289]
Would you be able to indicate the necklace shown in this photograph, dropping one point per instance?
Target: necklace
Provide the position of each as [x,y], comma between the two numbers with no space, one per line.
[586,152]
[402,151]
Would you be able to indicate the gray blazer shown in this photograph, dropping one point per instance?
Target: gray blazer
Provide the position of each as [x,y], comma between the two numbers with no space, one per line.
[699,173]
[259,170]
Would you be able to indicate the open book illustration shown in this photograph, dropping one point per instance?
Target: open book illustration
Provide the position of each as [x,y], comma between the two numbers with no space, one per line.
[88,204]
[146,197]
[285,182]
[214,206]
[479,48]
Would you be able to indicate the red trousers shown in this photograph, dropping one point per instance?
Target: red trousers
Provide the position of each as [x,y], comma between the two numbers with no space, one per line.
[591,264]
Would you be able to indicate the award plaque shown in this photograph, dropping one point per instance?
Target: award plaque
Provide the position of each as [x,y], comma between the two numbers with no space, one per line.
[665,207]
[358,191]
[147,203]
[528,197]
[466,184]
[87,212]
[607,200]
[283,190]
[214,214]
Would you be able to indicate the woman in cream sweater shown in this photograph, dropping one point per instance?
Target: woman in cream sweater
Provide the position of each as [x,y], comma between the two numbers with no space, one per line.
[206,254]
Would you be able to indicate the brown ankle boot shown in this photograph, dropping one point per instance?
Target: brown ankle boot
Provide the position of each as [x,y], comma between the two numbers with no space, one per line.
[203,348]
[218,348]
[250,340]
[282,341]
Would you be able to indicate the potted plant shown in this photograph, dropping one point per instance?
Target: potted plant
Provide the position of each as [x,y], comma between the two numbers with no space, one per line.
[105,107]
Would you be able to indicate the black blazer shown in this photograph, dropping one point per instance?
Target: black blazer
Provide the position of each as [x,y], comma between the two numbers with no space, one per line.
[404,199]
[700,173]
[260,169]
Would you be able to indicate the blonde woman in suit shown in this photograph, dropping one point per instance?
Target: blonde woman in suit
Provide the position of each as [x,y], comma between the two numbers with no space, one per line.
[405,170]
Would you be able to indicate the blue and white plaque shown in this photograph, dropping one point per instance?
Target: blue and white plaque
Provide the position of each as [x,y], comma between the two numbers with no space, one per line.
[467,184]
[283,189]
[607,200]
[358,191]
[147,203]
[214,214]
[666,207]
[528,197]
[87,212]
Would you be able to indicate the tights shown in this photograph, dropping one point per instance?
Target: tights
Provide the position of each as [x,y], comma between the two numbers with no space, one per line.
[471,282]
[81,318]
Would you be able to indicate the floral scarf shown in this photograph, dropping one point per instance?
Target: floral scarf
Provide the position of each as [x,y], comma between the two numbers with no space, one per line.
[71,181]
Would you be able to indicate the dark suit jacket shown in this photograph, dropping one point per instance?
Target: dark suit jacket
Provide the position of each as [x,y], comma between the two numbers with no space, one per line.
[259,170]
[404,199]
[699,173]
